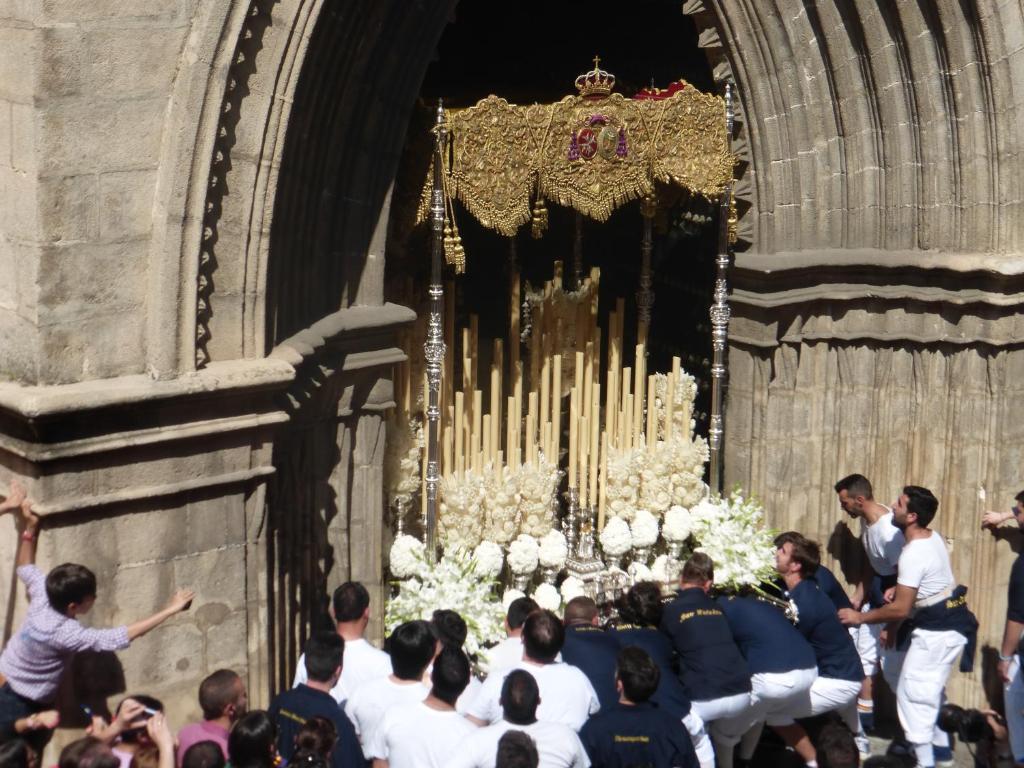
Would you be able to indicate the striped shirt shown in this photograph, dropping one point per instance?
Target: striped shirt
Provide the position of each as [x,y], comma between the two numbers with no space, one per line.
[34,659]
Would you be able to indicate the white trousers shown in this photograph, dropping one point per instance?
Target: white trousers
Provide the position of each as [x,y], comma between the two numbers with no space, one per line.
[773,694]
[866,638]
[699,736]
[923,672]
[727,706]
[1013,699]
[825,695]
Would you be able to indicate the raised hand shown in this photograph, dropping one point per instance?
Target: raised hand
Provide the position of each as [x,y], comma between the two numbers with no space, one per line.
[14,498]
[181,600]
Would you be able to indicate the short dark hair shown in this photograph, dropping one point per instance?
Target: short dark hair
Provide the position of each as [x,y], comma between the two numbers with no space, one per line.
[922,503]
[855,485]
[450,674]
[516,750]
[1019,497]
[87,752]
[642,604]
[638,673]
[217,691]
[15,753]
[805,552]
[203,754]
[519,609]
[411,646]
[836,747]
[251,741]
[131,736]
[580,608]
[69,583]
[520,697]
[350,601]
[324,654]
[698,569]
[449,627]
[318,734]
[543,636]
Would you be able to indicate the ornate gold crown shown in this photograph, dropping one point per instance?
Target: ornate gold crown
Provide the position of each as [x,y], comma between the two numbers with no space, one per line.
[595,84]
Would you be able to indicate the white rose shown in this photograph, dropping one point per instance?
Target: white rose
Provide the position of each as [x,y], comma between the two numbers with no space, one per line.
[523,554]
[547,597]
[407,557]
[678,525]
[615,538]
[488,559]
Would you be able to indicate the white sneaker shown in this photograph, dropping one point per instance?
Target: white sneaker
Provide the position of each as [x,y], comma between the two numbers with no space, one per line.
[863,745]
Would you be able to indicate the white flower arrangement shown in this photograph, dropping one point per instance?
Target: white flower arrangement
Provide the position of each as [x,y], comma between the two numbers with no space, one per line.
[536,487]
[523,554]
[677,525]
[402,459]
[640,572]
[571,587]
[616,539]
[553,549]
[460,509]
[731,532]
[452,583]
[408,557]
[547,597]
[684,458]
[660,569]
[622,482]
[510,595]
[644,529]
[488,559]
[501,506]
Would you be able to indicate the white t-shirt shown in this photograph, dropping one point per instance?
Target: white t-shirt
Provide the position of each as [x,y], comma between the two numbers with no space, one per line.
[468,696]
[566,695]
[505,655]
[924,564]
[361,662]
[557,744]
[883,543]
[366,707]
[418,736]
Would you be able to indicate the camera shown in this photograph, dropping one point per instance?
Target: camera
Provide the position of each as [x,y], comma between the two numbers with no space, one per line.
[969,725]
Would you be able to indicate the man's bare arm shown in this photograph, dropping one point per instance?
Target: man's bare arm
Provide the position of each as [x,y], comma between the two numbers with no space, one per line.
[897,610]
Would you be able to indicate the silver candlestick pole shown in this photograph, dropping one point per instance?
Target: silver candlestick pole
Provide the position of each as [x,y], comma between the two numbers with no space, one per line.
[720,320]
[645,296]
[433,348]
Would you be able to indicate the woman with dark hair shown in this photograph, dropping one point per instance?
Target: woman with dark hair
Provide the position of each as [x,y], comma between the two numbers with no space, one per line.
[316,737]
[16,753]
[251,743]
[88,752]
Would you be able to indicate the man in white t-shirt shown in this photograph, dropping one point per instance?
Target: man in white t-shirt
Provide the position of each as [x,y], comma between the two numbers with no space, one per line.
[924,581]
[882,542]
[509,651]
[566,695]
[413,646]
[557,745]
[350,608]
[450,628]
[430,733]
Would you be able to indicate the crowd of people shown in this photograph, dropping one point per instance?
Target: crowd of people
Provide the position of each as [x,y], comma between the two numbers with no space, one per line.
[704,678]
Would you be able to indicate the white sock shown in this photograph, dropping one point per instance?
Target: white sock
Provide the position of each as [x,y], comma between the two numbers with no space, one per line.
[925,755]
[812,764]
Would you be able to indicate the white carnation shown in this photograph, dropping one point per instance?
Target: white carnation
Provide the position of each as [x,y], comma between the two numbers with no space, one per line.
[644,529]
[510,595]
[553,549]
[547,597]
[523,554]
[488,559]
[678,525]
[571,587]
[616,539]
[408,557]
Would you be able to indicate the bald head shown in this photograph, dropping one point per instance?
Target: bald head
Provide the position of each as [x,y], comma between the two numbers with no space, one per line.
[581,610]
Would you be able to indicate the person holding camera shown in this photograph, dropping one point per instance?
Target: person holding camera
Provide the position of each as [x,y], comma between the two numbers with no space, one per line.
[1013,633]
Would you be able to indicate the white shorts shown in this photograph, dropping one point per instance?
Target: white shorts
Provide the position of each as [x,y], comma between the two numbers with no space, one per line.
[825,695]
[926,668]
[865,637]
[727,706]
[772,694]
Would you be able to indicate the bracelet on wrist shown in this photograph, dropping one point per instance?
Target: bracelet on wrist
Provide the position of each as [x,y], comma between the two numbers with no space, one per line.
[1005,658]
[29,534]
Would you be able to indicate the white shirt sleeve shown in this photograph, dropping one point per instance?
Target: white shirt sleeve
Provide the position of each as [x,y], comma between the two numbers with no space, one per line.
[595,703]
[377,743]
[910,572]
[300,672]
[351,712]
[485,706]
[579,758]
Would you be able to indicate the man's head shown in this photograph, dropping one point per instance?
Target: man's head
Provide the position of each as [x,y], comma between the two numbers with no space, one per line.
[642,604]
[71,589]
[796,555]
[16,753]
[253,740]
[636,674]
[516,750]
[351,603]
[543,636]
[518,610]
[450,674]
[520,697]
[449,627]
[203,754]
[223,694]
[698,571]
[836,747]
[581,610]
[1018,509]
[412,646]
[854,492]
[325,652]
[915,506]
[87,752]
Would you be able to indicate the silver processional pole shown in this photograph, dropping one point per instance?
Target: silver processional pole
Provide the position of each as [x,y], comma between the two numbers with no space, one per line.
[433,348]
[720,318]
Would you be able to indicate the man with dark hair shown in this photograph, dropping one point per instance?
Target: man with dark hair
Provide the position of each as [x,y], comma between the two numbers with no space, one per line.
[589,648]
[557,744]
[635,731]
[350,609]
[936,623]
[412,646]
[203,754]
[882,542]
[87,752]
[839,669]
[516,750]
[223,699]
[566,695]
[450,628]
[836,747]
[34,658]
[714,674]
[509,651]
[429,733]
[289,710]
